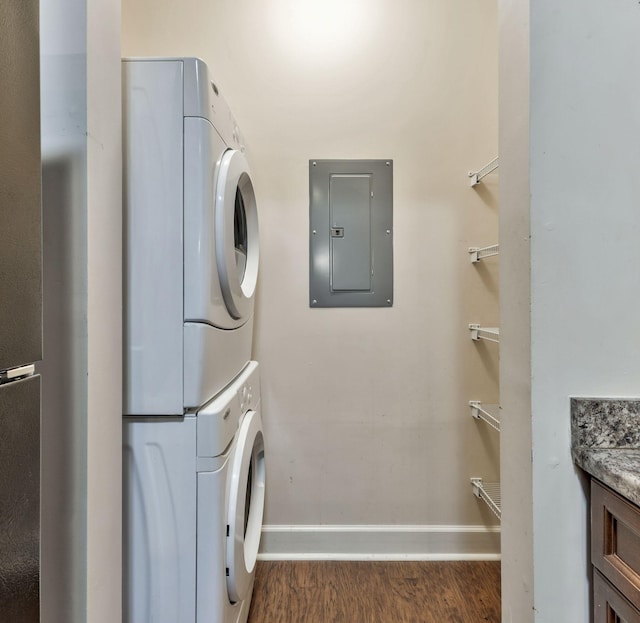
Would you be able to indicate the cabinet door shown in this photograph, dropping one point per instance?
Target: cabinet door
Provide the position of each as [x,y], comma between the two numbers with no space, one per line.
[615,540]
[609,606]
[20,181]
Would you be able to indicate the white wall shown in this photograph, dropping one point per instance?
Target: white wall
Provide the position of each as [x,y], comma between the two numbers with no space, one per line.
[515,323]
[365,410]
[584,219]
[104,313]
[81,406]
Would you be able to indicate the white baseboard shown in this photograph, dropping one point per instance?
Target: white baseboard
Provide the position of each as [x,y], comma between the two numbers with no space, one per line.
[353,542]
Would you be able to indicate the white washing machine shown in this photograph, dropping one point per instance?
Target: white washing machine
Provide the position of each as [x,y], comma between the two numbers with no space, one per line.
[194,498]
[190,242]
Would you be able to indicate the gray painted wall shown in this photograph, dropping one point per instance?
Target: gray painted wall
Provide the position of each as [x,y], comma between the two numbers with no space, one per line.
[81,430]
[569,127]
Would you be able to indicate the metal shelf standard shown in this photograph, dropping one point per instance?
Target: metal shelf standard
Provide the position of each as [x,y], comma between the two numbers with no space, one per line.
[488,492]
[480,412]
[480,253]
[490,334]
[476,176]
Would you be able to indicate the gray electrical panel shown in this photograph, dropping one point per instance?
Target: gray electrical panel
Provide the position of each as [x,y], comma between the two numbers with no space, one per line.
[351,233]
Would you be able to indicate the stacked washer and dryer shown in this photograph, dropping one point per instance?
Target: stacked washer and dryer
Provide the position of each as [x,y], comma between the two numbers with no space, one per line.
[194,471]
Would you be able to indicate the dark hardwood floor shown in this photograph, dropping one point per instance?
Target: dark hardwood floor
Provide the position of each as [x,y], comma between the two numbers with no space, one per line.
[376,592]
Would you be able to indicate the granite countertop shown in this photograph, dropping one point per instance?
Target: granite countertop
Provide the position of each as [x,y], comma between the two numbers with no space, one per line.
[605,442]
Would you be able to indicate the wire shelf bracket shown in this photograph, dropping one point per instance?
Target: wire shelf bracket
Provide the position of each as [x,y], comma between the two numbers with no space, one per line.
[480,411]
[480,253]
[476,176]
[489,493]
[490,334]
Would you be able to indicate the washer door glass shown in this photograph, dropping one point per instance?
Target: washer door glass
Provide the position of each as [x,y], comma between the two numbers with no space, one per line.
[246,506]
[237,248]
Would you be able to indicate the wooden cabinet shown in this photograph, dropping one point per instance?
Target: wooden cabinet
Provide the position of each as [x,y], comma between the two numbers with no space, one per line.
[609,606]
[615,553]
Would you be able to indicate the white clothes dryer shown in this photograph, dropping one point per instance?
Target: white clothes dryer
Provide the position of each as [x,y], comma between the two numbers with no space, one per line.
[191,238]
[193,505]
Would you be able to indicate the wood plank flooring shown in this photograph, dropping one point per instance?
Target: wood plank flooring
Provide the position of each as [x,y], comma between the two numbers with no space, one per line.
[376,592]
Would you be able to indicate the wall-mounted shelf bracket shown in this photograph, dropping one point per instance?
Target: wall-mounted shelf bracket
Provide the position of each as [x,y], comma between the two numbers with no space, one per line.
[476,176]
[489,493]
[480,253]
[483,412]
[490,334]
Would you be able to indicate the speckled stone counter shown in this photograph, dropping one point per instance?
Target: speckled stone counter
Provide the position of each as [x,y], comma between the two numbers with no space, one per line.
[605,442]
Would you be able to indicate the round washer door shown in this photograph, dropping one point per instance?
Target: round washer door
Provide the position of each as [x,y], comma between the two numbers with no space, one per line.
[237,247]
[246,506]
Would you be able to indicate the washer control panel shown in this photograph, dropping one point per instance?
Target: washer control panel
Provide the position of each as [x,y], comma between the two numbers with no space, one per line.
[219,419]
[246,398]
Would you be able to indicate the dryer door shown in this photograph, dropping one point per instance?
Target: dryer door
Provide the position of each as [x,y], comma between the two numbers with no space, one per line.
[220,230]
[236,234]
[246,506]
